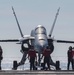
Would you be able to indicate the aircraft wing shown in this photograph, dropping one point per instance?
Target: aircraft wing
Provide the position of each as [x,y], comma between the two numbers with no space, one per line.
[59,41]
[9,40]
[18,40]
[64,41]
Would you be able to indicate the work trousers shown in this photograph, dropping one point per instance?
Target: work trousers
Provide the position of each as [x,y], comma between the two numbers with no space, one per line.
[0,64]
[72,63]
[46,61]
[32,61]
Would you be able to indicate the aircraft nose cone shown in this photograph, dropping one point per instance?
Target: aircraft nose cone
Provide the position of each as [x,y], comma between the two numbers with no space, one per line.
[42,45]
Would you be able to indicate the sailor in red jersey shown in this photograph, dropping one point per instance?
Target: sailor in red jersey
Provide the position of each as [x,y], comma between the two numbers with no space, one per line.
[32,56]
[46,54]
[1,56]
[73,58]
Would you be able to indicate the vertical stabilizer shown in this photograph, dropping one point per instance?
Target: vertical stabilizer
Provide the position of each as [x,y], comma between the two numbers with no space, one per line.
[17,22]
[54,22]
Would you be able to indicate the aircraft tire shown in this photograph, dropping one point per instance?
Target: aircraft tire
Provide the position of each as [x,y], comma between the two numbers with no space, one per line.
[14,65]
[57,65]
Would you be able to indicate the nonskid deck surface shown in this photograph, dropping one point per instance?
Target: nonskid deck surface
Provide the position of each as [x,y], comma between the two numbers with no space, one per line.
[28,72]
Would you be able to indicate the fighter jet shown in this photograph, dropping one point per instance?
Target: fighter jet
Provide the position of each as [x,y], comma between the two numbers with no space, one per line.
[37,38]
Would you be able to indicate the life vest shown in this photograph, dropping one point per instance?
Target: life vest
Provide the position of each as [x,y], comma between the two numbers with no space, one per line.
[73,54]
[1,57]
[0,52]
[69,54]
[46,52]
[32,53]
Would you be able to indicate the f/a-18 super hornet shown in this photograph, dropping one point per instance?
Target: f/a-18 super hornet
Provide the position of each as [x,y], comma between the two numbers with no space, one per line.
[37,38]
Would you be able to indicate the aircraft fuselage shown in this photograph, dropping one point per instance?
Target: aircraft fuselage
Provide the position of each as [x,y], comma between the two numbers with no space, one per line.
[40,41]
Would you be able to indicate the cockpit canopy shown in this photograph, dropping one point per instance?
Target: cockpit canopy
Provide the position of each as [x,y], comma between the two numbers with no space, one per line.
[40,30]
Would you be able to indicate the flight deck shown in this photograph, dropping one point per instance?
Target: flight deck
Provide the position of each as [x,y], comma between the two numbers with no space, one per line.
[28,72]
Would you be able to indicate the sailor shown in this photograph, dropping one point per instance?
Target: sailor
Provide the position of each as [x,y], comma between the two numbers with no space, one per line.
[1,56]
[46,54]
[73,58]
[32,56]
[69,55]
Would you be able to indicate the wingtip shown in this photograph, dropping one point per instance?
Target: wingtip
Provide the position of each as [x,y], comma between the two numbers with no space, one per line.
[11,6]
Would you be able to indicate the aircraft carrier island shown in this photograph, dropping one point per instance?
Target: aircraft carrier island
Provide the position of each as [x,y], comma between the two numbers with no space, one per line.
[38,72]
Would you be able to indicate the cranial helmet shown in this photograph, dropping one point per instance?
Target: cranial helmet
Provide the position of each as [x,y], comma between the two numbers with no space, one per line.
[47,47]
[70,47]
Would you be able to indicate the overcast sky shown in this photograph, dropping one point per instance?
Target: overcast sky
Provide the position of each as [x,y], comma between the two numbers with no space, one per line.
[31,13]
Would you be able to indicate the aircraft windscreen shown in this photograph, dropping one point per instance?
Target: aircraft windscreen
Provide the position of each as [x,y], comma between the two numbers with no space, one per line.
[40,30]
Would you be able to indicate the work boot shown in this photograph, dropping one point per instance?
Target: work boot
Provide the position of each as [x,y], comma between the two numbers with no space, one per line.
[0,68]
